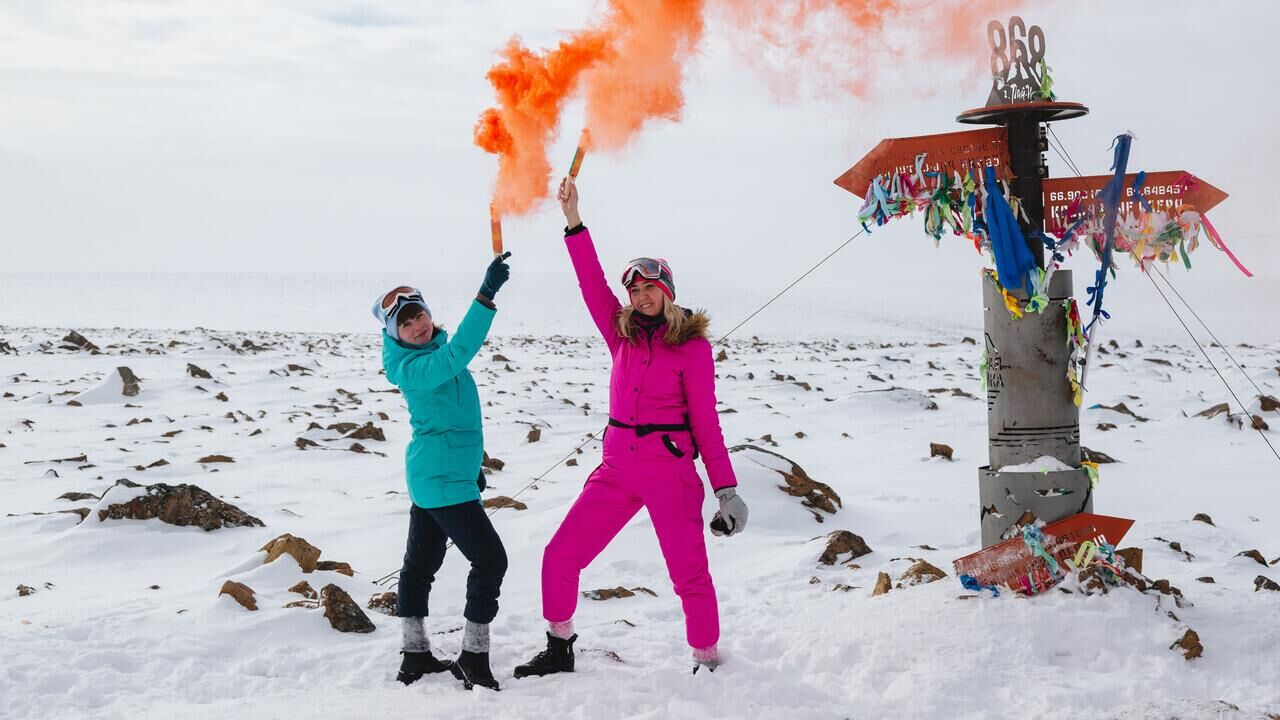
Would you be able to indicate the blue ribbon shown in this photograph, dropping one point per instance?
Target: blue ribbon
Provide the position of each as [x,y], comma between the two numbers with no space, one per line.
[1111,195]
[1013,260]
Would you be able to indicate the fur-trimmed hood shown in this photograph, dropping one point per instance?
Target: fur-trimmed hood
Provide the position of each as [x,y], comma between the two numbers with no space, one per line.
[694,326]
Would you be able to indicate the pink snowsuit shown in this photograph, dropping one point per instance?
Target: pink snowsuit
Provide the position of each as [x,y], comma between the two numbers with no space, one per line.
[652,382]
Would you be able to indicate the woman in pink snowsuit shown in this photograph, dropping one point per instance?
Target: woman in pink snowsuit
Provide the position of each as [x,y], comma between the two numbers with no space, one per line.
[662,414]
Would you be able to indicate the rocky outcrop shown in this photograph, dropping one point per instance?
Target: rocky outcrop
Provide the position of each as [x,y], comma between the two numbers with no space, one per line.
[298,548]
[920,573]
[502,501]
[843,542]
[816,496]
[182,505]
[384,603]
[241,593]
[343,613]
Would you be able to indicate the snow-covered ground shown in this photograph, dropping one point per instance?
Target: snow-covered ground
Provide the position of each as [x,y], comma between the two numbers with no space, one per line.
[126,620]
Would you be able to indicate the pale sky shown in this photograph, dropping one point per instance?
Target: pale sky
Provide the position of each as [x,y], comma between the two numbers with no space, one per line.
[317,135]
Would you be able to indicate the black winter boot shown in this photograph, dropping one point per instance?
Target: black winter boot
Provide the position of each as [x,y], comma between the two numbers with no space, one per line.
[558,657]
[416,664]
[472,668]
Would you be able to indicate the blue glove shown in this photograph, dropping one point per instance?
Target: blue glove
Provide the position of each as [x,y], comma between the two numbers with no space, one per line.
[495,276]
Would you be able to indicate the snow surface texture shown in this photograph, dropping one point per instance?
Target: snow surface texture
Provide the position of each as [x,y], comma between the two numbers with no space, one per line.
[800,640]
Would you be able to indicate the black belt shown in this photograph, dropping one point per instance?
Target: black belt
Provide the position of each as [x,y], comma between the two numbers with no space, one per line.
[647,428]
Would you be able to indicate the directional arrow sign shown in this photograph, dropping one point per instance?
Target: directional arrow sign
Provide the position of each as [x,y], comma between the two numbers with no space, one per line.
[952,151]
[1006,563]
[1164,190]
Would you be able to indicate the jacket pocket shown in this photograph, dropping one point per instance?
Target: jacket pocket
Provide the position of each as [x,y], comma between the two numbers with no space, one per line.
[670,445]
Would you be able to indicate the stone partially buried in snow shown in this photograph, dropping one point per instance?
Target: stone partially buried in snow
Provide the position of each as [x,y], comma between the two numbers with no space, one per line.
[502,501]
[76,341]
[241,593]
[342,612]
[116,385]
[298,548]
[920,573]
[816,496]
[384,603]
[843,542]
[1189,645]
[181,505]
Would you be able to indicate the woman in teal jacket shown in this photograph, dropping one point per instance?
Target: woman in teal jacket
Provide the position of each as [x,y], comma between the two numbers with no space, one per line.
[442,469]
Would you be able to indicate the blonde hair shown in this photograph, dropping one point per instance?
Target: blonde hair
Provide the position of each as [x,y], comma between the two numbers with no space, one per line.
[675,315]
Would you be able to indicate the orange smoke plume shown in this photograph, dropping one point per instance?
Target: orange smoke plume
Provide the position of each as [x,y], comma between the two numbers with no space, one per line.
[629,67]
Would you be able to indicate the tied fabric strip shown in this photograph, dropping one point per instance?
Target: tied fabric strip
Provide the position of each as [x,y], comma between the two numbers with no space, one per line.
[968,582]
[1217,242]
[1111,195]
[1034,538]
[1013,259]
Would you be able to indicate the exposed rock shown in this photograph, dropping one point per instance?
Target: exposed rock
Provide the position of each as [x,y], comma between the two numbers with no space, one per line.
[1124,409]
[492,463]
[1262,582]
[815,496]
[339,427]
[76,341]
[883,585]
[198,372]
[303,443]
[1268,403]
[335,566]
[1189,644]
[25,590]
[1253,554]
[1166,588]
[216,459]
[920,573]
[571,462]
[181,505]
[342,612]
[303,588]
[722,356]
[1094,456]
[1206,579]
[535,434]
[1215,411]
[241,593]
[130,381]
[499,357]
[843,542]
[1258,423]
[299,549]
[222,396]
[77,496]
[939,450]
[1201,517]
[368,431]
[502,501]
[1132,558]
[617,592]
[384,603]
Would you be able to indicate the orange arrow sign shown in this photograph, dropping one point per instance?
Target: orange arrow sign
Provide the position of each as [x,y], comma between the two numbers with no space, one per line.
[953,151]
[1164,190]
[1006,563]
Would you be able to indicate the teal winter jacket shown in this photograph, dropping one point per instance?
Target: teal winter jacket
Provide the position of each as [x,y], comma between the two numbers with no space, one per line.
[442,461]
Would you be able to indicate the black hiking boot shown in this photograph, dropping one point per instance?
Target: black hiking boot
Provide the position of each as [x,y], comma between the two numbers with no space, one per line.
[472,668]
[558,657]
[416,664]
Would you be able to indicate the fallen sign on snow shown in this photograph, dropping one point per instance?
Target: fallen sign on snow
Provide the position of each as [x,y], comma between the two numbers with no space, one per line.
[1014,564]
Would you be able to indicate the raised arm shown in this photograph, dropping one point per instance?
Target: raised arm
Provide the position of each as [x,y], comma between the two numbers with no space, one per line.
[704,422]
[601,302]
[426,371]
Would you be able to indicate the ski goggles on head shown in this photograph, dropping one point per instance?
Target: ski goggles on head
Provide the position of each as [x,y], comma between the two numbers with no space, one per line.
[392,301]
[647,268]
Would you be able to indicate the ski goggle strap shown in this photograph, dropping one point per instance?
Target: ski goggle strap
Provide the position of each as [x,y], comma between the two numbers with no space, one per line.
[648,268]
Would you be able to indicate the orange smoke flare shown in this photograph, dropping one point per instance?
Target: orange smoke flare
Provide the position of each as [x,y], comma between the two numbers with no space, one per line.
[584,142]
[495,230]
[629,67]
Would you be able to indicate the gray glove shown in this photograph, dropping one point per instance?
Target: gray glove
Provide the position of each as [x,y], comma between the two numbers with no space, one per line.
[732,515]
